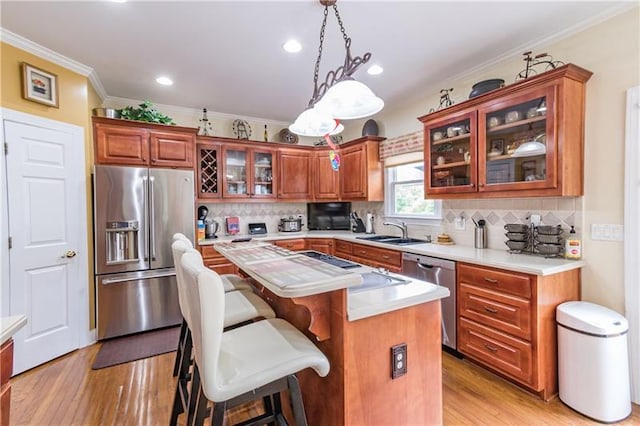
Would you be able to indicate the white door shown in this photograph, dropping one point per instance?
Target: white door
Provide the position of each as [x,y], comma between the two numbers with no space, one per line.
[46,196]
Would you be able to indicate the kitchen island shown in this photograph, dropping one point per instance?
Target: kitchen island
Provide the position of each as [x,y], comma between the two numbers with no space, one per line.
[356,326]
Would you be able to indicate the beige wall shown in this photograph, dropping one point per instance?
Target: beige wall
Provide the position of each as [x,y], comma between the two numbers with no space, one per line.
[76,98]
[611,51]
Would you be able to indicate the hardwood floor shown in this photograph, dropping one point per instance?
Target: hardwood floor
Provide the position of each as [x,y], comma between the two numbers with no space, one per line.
[67,392]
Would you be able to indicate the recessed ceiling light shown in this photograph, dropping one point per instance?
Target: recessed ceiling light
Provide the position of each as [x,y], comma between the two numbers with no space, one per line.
[292,46]
[375,70]
[119,1]
[165,81]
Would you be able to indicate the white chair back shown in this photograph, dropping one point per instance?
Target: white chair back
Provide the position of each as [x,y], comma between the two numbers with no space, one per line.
[205,298]
[179,236]
[179,248]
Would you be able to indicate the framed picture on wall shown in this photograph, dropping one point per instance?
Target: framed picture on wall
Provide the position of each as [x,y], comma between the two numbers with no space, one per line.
[39,85]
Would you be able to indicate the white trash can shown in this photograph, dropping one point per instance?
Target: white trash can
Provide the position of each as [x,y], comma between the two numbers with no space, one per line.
[593,362]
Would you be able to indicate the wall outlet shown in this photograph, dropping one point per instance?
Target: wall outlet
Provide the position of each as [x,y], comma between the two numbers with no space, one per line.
[398,360]
[460,223]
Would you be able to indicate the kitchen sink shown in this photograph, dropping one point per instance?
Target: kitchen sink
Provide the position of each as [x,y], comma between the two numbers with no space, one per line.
[371,280]
[392,239]
[378,237]
[403,241]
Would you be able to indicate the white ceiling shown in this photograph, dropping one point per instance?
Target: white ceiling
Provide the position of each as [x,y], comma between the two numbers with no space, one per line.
[227,55]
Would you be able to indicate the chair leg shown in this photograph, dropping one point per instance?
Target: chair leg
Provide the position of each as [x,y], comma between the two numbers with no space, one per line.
[296,401]
[193,395]
[181,397]
[179,352]
[217,414]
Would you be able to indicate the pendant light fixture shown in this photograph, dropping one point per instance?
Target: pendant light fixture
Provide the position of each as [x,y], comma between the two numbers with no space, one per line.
[532,146]
[340,96]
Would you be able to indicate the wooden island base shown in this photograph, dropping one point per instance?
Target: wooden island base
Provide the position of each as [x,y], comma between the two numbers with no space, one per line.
[359,389]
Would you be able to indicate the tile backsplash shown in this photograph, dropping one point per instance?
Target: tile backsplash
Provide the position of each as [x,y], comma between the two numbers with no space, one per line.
[496,212]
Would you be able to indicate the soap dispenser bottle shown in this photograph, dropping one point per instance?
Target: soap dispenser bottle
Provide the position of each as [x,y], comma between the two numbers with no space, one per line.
[573,249]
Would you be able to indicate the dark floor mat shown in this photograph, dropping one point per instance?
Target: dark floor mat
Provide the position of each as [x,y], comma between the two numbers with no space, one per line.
[137,346]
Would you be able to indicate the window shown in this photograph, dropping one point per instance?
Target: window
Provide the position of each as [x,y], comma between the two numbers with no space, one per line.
[405,189]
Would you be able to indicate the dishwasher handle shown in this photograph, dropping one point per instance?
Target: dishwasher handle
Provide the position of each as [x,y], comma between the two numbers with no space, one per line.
[424,266]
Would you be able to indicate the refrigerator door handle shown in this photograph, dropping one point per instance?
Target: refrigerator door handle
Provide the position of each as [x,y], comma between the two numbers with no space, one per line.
[166,273]
[146,214]
[152,218]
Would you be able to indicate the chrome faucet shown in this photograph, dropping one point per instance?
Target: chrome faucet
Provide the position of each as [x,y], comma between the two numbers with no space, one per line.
[401,225]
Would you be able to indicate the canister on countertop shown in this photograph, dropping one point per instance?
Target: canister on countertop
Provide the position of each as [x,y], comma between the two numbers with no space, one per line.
[480,235]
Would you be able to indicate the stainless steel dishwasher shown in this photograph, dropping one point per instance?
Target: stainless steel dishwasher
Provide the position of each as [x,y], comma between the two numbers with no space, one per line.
[440,272]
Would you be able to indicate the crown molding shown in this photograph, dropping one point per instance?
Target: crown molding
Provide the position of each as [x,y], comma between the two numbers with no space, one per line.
[29,46]
[168,109]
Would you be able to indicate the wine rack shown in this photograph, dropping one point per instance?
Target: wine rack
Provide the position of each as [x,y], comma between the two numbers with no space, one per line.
[209,173]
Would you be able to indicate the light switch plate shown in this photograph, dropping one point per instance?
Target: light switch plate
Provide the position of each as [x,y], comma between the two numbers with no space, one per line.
[607,232]
[460,223]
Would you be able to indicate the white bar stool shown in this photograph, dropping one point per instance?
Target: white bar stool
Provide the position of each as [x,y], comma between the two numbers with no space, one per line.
[231,282]
[242,306]
[247,363]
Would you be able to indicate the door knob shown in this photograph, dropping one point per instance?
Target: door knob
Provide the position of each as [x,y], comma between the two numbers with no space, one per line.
[69,254]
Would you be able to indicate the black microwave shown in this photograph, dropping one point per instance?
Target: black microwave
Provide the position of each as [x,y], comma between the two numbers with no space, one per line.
[328,216]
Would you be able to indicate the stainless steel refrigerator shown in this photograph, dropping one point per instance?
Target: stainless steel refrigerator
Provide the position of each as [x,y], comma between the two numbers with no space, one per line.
[136,212]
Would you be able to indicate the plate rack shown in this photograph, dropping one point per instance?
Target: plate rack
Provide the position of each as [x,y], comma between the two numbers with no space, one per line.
[549,243]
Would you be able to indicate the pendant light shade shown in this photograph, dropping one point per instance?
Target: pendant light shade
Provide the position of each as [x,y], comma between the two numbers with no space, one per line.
[313,122]
[349,99]
[530,149]
[339,97]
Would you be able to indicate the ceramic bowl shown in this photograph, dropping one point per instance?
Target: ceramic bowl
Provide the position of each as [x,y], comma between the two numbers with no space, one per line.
[516,227]
[516,245]
[517,236]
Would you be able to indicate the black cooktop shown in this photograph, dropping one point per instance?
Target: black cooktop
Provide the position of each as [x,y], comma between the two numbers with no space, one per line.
[331,260]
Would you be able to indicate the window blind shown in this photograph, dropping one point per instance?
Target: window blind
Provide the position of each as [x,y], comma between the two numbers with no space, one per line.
[402,149]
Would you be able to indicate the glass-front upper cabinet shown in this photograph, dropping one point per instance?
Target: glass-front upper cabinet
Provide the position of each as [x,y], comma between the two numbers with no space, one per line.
[517,142]
[263,168]
[235,173]
[450,154]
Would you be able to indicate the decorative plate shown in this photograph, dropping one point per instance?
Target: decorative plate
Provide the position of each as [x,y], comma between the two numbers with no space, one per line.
[287,136]
[241,129]
[370,128]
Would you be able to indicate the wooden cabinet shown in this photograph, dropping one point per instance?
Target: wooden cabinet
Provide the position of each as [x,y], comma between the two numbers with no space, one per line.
[6,369]
[294,244]
[506,322]
[361,172]
[208,154]
[371,256]
[248,172]
[326,181]
[524,140]
[323,245]
[132,143]
[294,174]
[215,261]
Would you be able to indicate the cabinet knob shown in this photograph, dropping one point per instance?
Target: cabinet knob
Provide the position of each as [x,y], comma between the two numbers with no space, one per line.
[481,185]
[490,310]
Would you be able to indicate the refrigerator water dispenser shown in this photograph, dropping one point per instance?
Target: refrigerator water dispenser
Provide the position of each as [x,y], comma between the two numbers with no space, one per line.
[122,241]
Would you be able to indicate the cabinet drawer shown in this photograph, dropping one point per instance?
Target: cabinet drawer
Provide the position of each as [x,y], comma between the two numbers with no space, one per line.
[504,353]
[391,258]
[221,267]
[209,252]
[297,244]
[505,312]
[496,280]
[343,247]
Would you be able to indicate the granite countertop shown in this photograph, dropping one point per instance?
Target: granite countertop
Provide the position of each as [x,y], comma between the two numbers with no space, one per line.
[290,274]
[287,273]
[10,326]
[529,264]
